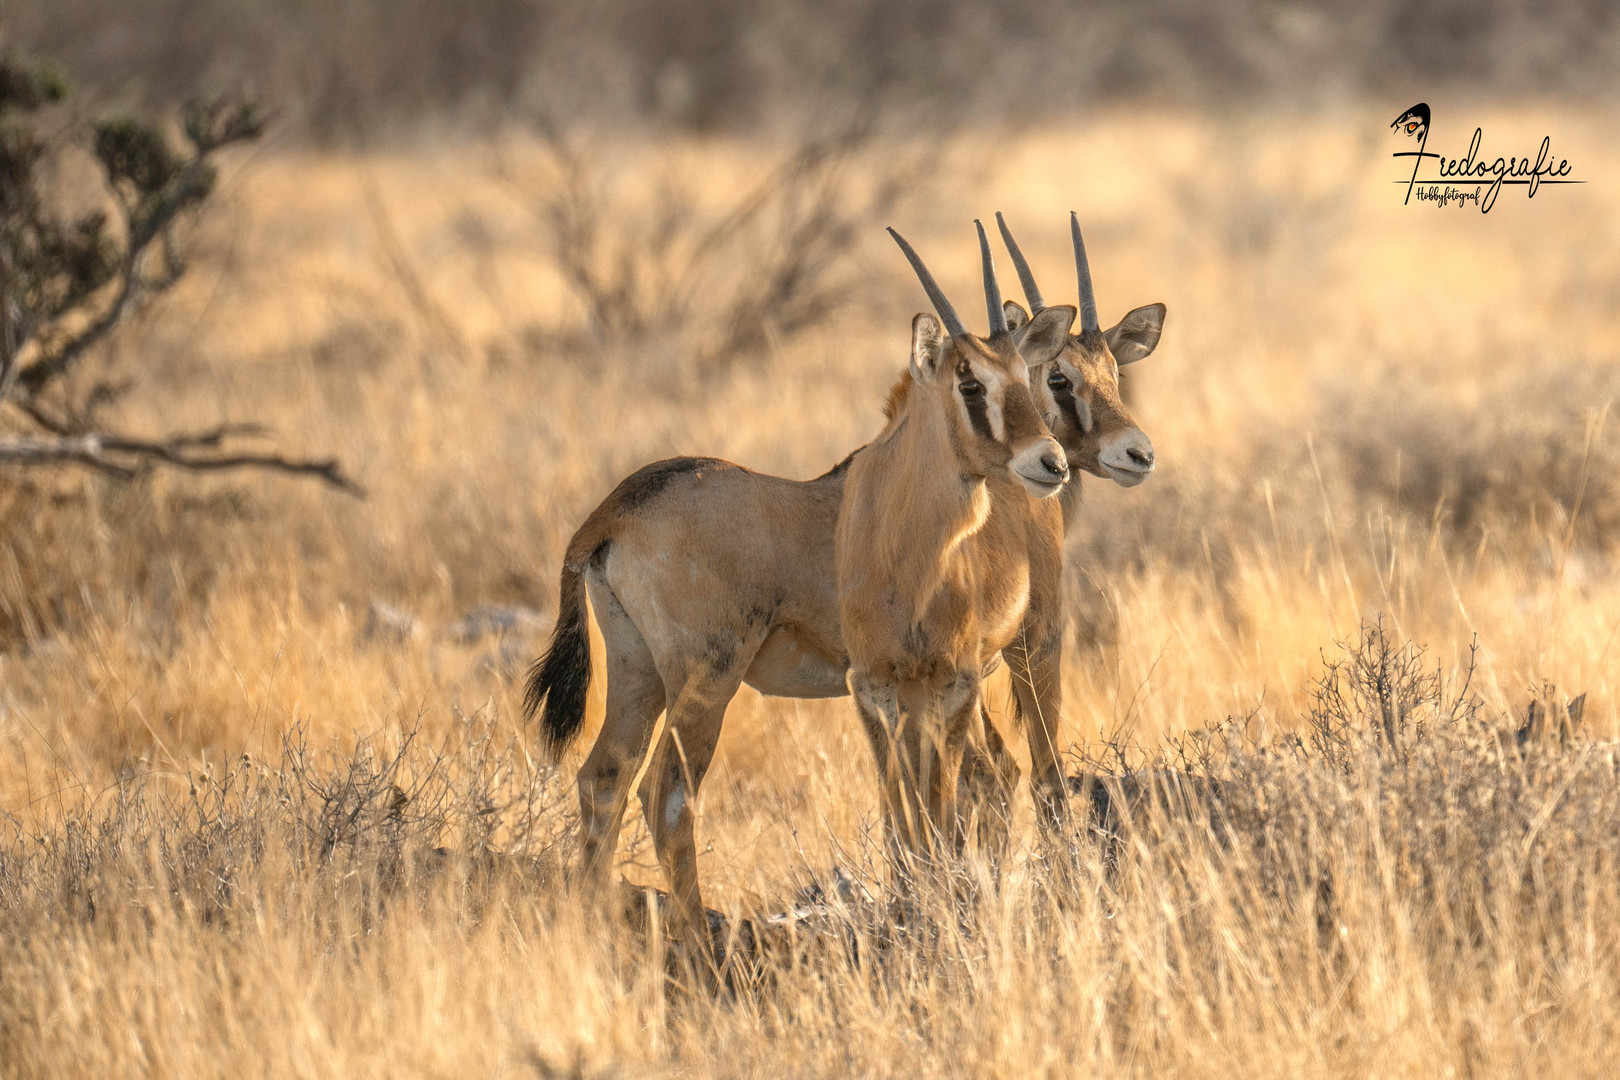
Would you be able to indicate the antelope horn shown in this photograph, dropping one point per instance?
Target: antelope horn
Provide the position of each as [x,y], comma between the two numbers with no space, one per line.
[936,295]
[992,289]
[1025,278]
[1088,299]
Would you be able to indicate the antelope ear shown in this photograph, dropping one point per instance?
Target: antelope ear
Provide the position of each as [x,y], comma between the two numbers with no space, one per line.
[927,347]
[1135,336]
[1044,336]
[1016,316]
[1577,709]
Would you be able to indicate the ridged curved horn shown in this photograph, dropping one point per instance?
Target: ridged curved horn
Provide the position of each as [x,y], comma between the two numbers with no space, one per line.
[936,295]
[1025,278]
[1082,269]
[992,288]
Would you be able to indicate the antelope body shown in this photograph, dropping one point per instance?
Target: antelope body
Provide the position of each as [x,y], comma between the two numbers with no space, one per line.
[703,575]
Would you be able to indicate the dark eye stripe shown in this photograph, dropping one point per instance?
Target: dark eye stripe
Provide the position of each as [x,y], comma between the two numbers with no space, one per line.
[1071,405]
[979,415]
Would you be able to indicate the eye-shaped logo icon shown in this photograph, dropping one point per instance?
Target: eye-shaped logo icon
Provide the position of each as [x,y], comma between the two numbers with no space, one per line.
[1414,122]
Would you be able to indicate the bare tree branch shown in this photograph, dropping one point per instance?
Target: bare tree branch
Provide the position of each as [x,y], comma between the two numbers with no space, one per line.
[66,286]
[127,457]
[189,189]
[82,449]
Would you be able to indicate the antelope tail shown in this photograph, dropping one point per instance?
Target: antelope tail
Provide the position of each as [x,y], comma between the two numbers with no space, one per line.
[560,680]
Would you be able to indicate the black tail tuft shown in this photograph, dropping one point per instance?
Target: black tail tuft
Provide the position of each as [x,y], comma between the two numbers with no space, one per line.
[562,677]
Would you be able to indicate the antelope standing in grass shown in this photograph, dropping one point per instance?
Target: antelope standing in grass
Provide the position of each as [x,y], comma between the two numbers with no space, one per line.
[935,576]
[703,575]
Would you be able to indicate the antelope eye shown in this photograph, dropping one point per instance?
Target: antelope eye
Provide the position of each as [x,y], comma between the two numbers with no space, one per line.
[971,387]
[1057,380]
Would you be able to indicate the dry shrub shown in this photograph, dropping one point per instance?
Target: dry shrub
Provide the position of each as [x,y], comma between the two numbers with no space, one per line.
[662,268]
[1407,831]
[348,826]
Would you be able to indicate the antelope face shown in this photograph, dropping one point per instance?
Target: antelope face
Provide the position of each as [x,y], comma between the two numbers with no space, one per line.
[1075,377]
[1079,396]
[982,386]
[995,420]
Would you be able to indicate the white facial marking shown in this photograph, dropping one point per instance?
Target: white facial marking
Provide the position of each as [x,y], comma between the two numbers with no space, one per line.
[994,389]
[990,398]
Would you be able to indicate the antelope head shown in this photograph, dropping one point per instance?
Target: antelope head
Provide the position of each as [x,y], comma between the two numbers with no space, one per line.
[1075,377]
[982,386]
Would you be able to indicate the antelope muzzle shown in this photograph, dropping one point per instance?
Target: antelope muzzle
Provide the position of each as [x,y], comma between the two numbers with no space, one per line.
[1128,457]
[1041,467]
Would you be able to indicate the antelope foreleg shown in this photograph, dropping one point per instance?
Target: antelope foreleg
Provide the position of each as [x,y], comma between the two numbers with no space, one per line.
[877,702]
[988,777]
[960,718]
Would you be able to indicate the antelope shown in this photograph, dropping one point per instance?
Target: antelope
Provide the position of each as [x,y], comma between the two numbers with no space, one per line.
[1081,404]
[703,575]
[935,576]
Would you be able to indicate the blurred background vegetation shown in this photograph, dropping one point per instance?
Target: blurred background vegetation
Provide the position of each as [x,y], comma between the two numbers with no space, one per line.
[338,71]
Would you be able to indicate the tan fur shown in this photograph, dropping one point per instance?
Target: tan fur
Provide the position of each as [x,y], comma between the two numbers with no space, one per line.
[896,400]
[722,576]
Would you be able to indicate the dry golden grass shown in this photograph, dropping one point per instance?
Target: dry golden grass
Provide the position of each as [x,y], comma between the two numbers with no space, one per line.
[1360,409]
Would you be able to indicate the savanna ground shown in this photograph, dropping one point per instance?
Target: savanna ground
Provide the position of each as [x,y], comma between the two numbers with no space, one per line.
[224,773]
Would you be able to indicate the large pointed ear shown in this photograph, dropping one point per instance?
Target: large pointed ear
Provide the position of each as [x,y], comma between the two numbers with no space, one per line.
[1135,336]
[927,347]
[1016,316]
[1045,335]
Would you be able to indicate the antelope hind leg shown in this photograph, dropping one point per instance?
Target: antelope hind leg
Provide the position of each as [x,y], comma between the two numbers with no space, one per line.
[635,697]
[676,774]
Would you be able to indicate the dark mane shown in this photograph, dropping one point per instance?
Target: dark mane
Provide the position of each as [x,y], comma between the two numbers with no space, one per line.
[648,481]
[843,466]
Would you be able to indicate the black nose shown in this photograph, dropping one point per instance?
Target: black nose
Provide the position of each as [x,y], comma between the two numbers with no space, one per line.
[1144,458]
[1055,465]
